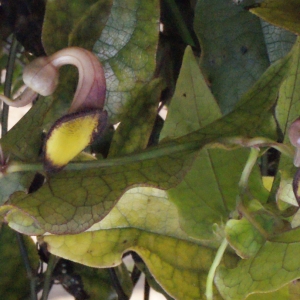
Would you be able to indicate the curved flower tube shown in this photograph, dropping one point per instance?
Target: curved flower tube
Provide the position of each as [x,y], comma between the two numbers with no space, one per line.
[85,120]
[41,77]
[294,135]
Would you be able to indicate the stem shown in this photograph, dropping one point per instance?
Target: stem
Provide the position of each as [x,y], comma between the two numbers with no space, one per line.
[155,152]
[146,289]
[239,141]
[169,148]
[254,152]
[116,284]
[48,276]
[180,23]
[243,185]
[8,83]
[213,268]
[25,258]
[23,167]
[135,275]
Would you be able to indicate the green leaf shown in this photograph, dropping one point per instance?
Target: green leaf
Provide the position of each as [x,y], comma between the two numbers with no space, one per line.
[23,143]
[279,12]
[145,222]
[243,237]
[140,264]
[14,283]
[282,294]
[63,16]
[275,265]
[127,48]
[278,41]
[87,30]
[211,186]
[193,105]
[210,190]
[12,183]
[234,57]
[138,120]
[20,221]
[288,292]
[258,224]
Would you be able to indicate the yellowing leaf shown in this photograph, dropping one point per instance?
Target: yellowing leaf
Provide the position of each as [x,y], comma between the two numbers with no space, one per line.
[146,222]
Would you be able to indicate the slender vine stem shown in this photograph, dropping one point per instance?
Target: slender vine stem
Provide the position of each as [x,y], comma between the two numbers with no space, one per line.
[48,276]
[117,285]
[8,83]
[169,148]
[243,184]
[146,289]
[135,275]
[155,152]
[30,274]
[180,23]
[211,274]
[254,152]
